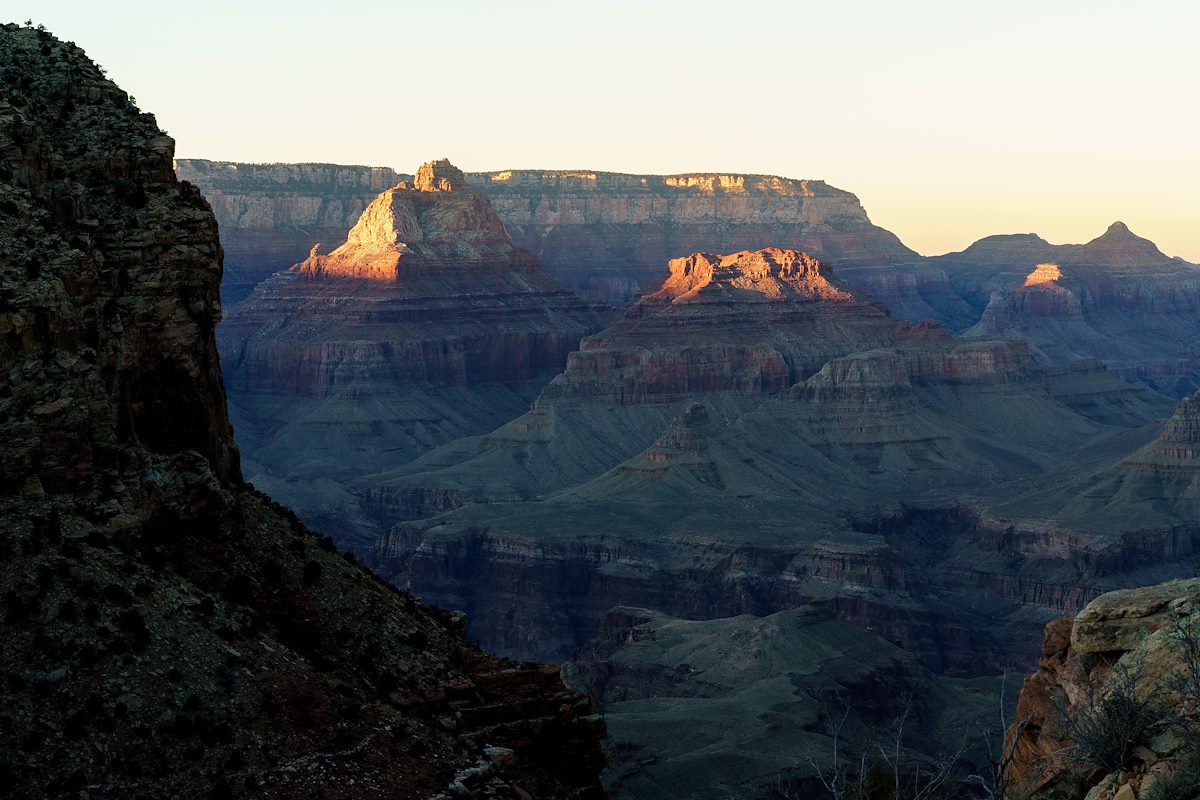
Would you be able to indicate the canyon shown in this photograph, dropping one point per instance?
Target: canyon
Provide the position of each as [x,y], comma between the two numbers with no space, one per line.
[168,630]
[763,706]
[1117,298]
[756,435]
[427,325]
[271,215]
[605,234]
[940,453]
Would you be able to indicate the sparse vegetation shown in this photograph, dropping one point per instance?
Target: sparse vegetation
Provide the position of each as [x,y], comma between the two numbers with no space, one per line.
[880,766]
[1109,722]
[1183,783]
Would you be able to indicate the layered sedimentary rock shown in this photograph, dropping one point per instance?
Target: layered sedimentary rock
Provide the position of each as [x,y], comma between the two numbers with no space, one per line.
[609,233]
[605,234]
[732,329]
[751,706]
[166,629]
[1111,710]
[271,215]
[1116,298]
[914,289]
[752,436]
[1158,485]
[428,324]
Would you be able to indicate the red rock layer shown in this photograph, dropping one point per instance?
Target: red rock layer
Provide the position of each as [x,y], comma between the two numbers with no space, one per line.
[435,222]
[427,289]
[609,233]
[749,322]
[427,325]
[604,234]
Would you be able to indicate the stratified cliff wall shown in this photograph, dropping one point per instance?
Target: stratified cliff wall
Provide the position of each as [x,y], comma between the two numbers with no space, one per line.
[427,325]
[605,234]
[1117,298]
[609,233]
[272,214]
[755,435]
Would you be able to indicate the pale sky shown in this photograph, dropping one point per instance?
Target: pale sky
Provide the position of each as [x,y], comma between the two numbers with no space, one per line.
[949,120]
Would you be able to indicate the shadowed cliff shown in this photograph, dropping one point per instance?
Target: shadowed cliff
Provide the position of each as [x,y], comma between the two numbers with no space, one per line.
[167,631]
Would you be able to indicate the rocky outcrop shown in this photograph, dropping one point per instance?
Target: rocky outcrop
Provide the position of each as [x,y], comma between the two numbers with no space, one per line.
[271,215]
[100,238]
[435,223]
[1116,298]
[750,322]
[668,468]
[167,630]
[1111,710]
[425,326]
[1158,485]
[606,235]
[733,330]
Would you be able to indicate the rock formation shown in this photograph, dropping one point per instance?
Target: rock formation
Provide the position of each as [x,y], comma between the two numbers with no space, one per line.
[1112,708]
[733,330]
[1116,298]
[271,215]
[608,233]
[167,630]
[753,436]
[425,326]
[435,223]
[605,234]
[1158,485]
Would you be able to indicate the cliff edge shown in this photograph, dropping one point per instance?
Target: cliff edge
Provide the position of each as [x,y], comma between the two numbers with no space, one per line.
[168,631]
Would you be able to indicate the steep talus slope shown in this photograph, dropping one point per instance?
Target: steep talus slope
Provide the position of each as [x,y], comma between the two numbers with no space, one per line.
[748,706]
[426,325]
[1116,298]
[740,444]
[1112,707]
[1158,485]
[169,632]
[271,215]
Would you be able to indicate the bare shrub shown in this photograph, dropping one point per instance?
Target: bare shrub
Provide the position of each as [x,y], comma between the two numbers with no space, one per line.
[1113,717]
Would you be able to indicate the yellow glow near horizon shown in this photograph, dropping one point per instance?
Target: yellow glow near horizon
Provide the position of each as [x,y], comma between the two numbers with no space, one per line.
[950,121]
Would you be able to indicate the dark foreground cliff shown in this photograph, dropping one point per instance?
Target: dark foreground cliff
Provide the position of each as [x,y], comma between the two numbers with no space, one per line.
[167,631]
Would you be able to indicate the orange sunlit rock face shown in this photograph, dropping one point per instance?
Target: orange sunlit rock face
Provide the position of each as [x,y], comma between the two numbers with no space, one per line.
[1045,273]
[768,274]
[435,222]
